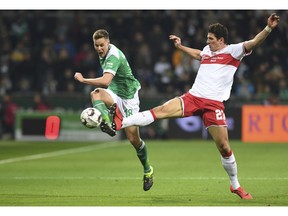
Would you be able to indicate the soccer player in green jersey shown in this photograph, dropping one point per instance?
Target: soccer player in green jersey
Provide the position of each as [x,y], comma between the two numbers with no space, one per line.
[117,86]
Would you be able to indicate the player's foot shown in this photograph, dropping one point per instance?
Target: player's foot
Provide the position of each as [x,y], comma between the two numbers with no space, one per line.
[116,116]
[241,193]
[107,128]
[148,179]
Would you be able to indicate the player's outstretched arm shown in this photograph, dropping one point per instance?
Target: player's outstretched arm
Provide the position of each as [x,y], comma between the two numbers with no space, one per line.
[272,22]
[103,81]
[194,53]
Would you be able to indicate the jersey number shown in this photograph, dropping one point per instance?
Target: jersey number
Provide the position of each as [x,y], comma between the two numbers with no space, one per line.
[220,114]
[128,112]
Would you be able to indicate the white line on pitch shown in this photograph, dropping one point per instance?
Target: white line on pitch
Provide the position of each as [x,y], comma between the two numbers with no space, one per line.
[136,178]
[61,152]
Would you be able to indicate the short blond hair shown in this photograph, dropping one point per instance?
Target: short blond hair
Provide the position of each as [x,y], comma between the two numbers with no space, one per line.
[101,33]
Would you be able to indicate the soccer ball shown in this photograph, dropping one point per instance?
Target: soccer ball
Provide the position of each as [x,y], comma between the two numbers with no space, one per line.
[91,117]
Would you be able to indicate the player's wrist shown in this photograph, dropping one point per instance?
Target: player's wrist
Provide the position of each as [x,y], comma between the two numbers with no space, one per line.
[268,29]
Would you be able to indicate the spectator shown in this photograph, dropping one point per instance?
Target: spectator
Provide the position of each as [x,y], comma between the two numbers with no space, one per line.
[9,113]
[163,70]
[40,104]
[283,92]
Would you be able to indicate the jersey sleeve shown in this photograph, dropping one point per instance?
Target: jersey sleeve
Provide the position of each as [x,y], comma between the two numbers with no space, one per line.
[238,50]
[111,65]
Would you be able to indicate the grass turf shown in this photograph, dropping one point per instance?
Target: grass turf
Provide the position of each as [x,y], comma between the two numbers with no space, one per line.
[187,173]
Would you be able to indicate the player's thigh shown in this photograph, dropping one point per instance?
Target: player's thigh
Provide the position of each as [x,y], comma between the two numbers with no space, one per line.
[169,109]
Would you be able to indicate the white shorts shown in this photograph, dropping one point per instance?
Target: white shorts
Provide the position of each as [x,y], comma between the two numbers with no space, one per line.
[127,107]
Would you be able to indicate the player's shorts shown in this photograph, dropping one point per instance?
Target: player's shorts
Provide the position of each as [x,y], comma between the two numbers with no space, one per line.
[211,111]
[126,106]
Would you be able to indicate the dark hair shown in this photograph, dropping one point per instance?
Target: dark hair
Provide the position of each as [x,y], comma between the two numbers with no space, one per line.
[219,31]
[101,33]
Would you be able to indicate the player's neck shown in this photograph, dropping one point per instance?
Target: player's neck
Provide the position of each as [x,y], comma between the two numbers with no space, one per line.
[221,48]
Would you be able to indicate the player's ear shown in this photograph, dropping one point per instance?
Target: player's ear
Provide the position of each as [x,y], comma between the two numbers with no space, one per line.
[222,39]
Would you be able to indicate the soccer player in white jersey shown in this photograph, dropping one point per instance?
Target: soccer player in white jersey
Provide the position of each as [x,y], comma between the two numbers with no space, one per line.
[117,86]
[212,86]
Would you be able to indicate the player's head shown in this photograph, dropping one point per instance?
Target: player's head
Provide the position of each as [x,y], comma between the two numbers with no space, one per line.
[217,36]
[101,42]
[219,30]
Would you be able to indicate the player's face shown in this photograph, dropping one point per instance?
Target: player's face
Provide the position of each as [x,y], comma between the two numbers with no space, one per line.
[214,43]
[101,46]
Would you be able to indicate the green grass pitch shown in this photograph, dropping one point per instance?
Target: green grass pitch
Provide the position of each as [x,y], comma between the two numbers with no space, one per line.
[187,173]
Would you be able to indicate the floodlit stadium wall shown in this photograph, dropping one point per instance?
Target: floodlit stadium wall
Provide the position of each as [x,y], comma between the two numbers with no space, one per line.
[264,123]
[250,123]
[193,128]
[35,126]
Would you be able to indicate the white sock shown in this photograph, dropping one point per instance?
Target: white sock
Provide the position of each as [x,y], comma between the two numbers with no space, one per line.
[230,165]
[139,119]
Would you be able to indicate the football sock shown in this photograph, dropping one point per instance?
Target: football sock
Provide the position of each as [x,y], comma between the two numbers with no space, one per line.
[230,165]
[139,119]
[143,156]
[98,104]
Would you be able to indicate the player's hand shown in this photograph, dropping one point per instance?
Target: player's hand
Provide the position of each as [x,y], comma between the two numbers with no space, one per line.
[176,40]
[273,20]
[78,76]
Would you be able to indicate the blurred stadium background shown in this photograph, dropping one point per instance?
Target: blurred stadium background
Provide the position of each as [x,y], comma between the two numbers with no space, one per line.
[41,49]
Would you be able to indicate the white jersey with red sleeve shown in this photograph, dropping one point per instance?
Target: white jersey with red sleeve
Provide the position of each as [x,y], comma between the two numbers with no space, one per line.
[215,75]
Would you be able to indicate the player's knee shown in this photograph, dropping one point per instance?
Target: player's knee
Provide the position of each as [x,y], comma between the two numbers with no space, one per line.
[224,147]
[95,94]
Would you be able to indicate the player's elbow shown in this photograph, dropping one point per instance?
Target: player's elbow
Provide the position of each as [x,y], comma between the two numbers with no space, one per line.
[105,84]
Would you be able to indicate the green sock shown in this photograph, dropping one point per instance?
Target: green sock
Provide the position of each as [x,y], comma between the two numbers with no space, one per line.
[98,104]
[143,156]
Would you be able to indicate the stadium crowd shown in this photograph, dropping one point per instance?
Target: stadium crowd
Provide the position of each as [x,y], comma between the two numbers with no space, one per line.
[41,50]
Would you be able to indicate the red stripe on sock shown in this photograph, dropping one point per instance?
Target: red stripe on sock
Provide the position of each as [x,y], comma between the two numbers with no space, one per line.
[229,154]
[153,114]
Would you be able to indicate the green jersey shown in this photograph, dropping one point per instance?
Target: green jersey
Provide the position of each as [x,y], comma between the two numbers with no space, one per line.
[124,84]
